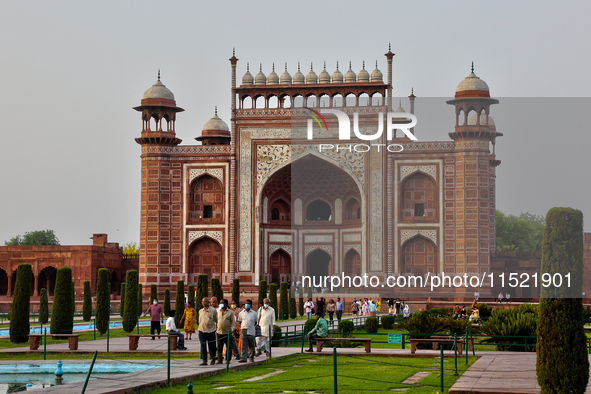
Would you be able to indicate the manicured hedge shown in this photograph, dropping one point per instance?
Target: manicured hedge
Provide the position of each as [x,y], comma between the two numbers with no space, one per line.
[87,305]
[371,325]
[130,312]
[21,301]
[387,322]
[62,315]
[102,301]
[43,307]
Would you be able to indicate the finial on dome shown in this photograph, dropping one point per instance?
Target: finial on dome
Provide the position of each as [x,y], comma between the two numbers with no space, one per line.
[337,65]
[298,66]
[248,66]
[400,103]
[285,66]
[349,63]
[325,64]
[273,67]
[311,66]
[412,90]
[472,66]
[376,64]
[389,46]
[363,65]
[261,67]
[216,110]
[159,74]
[233,51]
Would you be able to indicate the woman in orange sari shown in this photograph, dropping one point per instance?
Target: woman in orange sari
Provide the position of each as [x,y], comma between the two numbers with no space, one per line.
[189,319]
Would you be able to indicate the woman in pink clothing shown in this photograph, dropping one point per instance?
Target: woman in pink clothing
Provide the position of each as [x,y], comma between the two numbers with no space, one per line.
[364,308]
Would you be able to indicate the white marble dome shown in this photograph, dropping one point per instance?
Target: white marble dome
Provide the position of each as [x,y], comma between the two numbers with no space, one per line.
[363,75]
[285,77]
[216,123]
[350,75]
[261,78]
[273,78]
[311,77]
[337,76]
[471,83]
[324,76]
[248,79]
[299,78]
[376,75]
[158,90]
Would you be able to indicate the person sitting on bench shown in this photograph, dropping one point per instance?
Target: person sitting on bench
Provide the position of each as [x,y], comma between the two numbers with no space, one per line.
[320,330]
[171,330]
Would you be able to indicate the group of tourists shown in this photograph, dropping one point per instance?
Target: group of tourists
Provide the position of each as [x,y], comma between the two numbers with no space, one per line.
[397,307]
[365,307]
[321,307]
[247,329]
[462,313]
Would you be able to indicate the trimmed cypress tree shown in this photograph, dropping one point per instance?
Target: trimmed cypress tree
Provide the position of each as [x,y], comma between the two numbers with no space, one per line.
[130,311]
[293,312]
[73,299]
[153,293]
[301,301]
[166,302]
[216,289]
[43,307]
[562,362]
[273,298]
[283,301]
[262,292]
[191,295]
[179,305]
[139,300]
[62,315]
[309,292]
[201,290]
[21,303]
[87,305]
[122,301]
[102,300]
[236,291]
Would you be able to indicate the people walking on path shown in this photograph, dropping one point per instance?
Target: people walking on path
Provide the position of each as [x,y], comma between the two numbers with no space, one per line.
[340,308]
[266,320]
[156,316]
[225,326]
[247,319]
[189,320]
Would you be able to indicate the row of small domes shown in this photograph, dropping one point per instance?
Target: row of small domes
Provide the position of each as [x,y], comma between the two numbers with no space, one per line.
[311,77]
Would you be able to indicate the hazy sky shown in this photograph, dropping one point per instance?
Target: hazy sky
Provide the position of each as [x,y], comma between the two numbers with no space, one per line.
[72,71]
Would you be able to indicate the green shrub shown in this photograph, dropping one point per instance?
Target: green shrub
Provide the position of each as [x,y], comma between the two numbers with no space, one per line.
[21,303]
[153,293]
[310,323]
[422,323]
[179,304]
[130,311]
[387,322]
[167,302]
[216,289]
[262,292]
[139,309]
[273,298]
[484,310]
[73,299]
[62,315]
[283,302]
[521,321]
[191,295]
[202,292]
[277,336]
[346,327]
[439,312]
[301,301]
[456,326]
[43,307]
[371,325]
[236,291]
[122,301]
[562,360]
[87,305]
[102,300]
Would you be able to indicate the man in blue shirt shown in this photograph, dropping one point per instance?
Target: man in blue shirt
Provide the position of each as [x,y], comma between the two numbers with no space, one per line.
[340,309]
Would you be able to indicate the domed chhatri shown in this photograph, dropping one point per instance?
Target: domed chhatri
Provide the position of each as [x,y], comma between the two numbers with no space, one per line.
[324,76]
[350,75]
[400,109]
[363,75]
[472,86]
[247,79]
[261,78]
[376,75]
[158,94]
[285,77]
[337,76]
[298,78]
[311,78]
[215,131]
[273,78]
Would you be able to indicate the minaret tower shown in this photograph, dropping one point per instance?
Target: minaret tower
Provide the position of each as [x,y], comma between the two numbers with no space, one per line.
[157,227]
[475,165]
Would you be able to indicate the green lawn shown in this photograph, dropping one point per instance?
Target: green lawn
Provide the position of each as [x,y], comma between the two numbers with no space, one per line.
[305,372]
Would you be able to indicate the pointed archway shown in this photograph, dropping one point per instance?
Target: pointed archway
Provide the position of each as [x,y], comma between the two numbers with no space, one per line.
[318,265]
[279,267]
[205,257]
[419,256]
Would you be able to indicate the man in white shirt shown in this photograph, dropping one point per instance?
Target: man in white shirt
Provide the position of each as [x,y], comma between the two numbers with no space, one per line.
[266,319]
[171,330]
[208,318]
[247,318]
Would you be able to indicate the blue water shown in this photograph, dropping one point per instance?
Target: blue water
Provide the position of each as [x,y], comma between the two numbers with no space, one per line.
[86,326]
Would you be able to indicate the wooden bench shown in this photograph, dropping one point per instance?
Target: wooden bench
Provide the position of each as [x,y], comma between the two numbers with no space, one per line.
[134,340]
[436,342]
[366,342]
[35,340]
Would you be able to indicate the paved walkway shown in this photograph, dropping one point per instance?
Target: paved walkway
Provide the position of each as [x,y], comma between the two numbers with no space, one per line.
[501,372]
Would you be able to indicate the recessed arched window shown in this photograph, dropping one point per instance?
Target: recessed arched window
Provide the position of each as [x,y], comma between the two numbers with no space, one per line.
[275,214]
[280,210]
[318,210]
[352,209]
[206,200]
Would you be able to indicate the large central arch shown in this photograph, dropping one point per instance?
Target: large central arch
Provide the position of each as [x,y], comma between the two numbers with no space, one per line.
[318,265]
